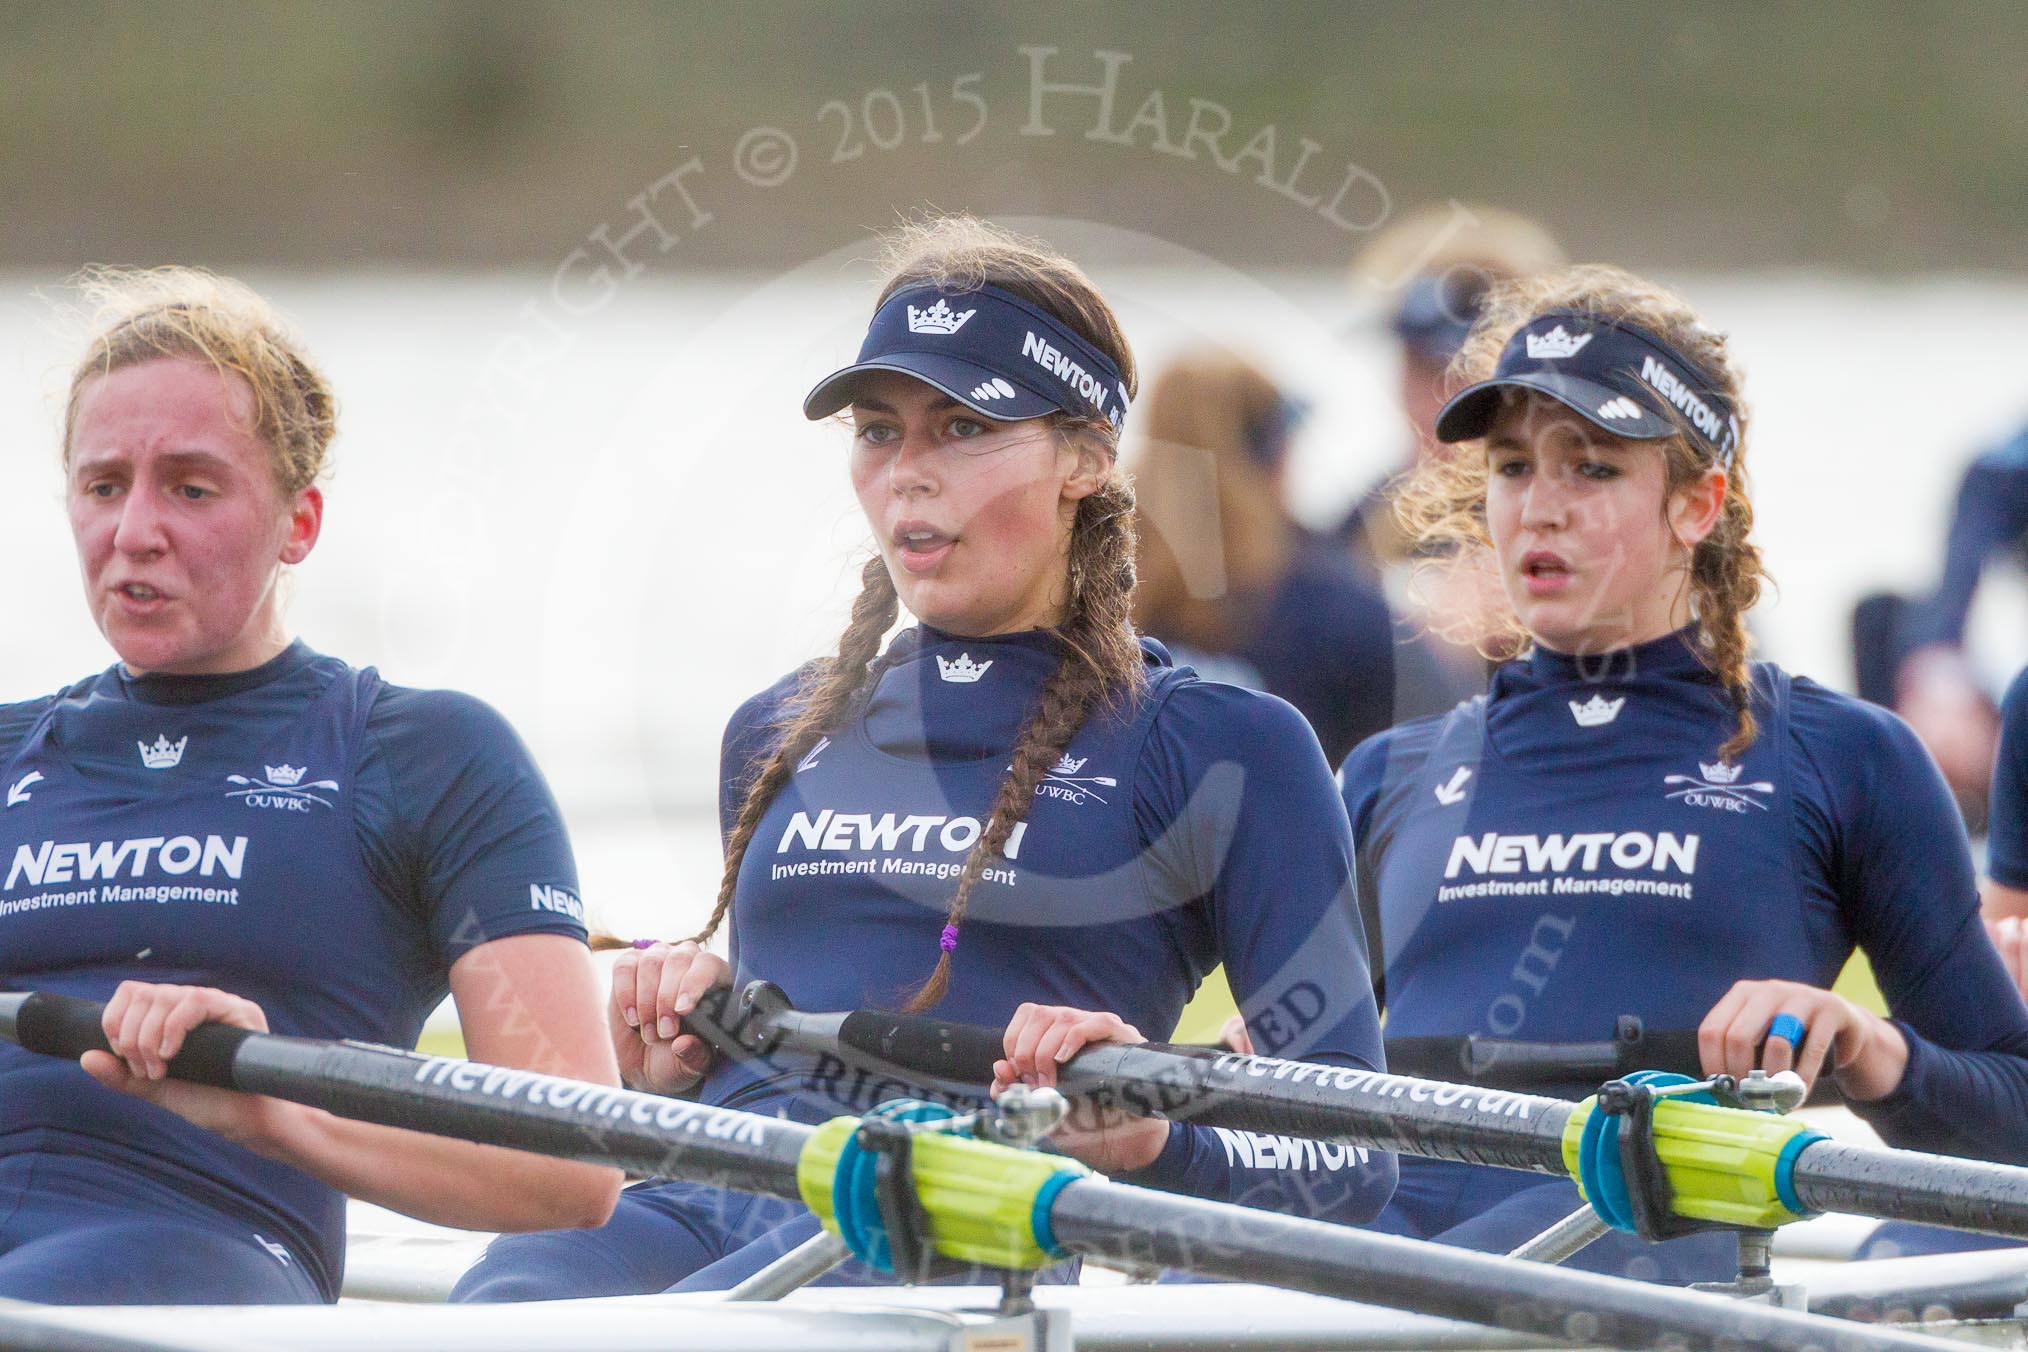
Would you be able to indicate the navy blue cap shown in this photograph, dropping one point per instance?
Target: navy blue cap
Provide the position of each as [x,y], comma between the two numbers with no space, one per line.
[1437,310]
[988,349]
[1616,375]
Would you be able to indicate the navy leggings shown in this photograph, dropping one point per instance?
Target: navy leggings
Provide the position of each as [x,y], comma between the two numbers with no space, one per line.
[80,1232]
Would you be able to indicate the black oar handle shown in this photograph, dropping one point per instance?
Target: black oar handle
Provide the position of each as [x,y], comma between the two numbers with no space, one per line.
[951,1051]
[67,1026]
[966,1052]
[1481,1060]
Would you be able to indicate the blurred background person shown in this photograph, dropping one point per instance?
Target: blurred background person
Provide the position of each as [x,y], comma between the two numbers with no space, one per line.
[1911,654]
[2004,905]
[1434,266]
[2005,895]
[1228,580]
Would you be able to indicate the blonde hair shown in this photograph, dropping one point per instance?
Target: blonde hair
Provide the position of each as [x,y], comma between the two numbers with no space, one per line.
[1442,504]
[143,315]
[1100,662]
[1212,527]
[1493,241]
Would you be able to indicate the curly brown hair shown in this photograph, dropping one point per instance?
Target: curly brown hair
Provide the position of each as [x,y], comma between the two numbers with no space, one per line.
[1100,661]
[1442,505]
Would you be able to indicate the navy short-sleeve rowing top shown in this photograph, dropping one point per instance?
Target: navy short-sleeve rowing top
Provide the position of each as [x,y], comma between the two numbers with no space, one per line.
[1196,827]
[1571,848]
[303,835]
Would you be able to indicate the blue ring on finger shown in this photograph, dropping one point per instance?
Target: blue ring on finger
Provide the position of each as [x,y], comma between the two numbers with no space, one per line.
[1789,1029]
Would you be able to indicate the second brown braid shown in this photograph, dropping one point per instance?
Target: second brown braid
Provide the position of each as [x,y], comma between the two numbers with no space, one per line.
[1101,664]
[1725,580]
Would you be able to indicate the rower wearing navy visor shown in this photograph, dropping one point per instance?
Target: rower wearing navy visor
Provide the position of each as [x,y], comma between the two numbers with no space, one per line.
[1638,819]
[1013,812]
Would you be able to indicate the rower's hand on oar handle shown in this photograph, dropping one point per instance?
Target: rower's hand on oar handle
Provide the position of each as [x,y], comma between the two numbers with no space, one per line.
[1234,1036]
[653,988]
[1867,1054]
[1038,1040]
[146,1024]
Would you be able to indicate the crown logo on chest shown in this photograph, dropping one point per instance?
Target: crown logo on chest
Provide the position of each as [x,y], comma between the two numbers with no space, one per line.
[1596,711]
[964,671]
[164,754]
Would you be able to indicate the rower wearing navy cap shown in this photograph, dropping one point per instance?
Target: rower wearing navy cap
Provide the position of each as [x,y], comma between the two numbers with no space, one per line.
[1638,819]
[1016,813]
[1435,267]
[228,827]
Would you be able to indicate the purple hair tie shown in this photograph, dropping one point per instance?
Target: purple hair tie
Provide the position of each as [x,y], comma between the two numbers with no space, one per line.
[949,941]
[646,943]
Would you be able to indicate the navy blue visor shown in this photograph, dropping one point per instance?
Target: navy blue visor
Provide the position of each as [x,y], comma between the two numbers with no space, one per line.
[1615,375]
[1436,311]
[991,351]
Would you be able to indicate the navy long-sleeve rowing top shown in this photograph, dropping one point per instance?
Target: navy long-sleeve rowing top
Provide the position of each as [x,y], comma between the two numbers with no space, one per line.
[1198,826]
[1571,848]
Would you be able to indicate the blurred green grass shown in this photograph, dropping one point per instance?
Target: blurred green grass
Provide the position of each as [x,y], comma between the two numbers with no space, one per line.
[1872,135]
[1213,1005]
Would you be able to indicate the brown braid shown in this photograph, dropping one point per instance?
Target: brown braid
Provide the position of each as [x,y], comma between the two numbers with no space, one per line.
[1725,581]
[1442,505]
[809,716]
[1101,664]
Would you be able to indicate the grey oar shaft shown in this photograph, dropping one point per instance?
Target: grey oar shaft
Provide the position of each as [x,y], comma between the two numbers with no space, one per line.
[643,1132]
[1130,1225]
[1380,1111]
[491,1105]
[1216,1089]
[1871,1181]
[1364,1107]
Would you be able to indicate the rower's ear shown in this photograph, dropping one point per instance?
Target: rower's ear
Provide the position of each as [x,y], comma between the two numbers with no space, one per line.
[1092,463]
[1694,509]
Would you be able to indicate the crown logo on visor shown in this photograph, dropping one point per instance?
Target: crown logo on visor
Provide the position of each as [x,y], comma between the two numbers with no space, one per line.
[964,671]
[283,776]
[939,318]
[1597,711]
[1720,773]
[1554,344]
[164,755]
